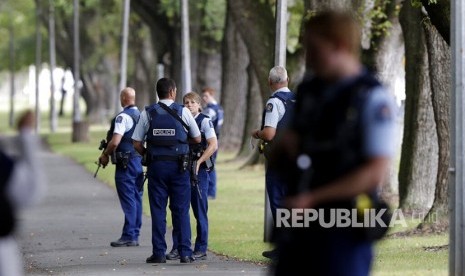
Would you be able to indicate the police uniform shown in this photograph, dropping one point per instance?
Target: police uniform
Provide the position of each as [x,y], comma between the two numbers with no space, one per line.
[167,145]
[128,177]
[278,110]
[340,126]
[215,112]
[21,185]
[199,203]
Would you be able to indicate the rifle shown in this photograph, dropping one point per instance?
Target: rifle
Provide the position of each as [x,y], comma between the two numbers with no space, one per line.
[102,147]
[194,157]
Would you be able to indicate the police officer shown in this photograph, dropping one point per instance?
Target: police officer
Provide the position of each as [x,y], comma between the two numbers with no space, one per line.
[199,194]
[275,117]
[344,131]
[167,128]
[128,173]
[215,112]
[21,185]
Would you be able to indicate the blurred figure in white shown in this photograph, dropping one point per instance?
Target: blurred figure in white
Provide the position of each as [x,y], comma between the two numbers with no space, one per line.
[21,185]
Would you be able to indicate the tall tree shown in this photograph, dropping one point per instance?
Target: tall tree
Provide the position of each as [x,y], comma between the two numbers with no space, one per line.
[439,14]
[234,85]
[439,58]
[255,23]
[419,158]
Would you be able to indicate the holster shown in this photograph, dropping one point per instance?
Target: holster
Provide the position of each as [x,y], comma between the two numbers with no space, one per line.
[184,161]
[121,159]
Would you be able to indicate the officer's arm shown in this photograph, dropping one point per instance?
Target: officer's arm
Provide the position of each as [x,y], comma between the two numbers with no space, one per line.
[266,134]
[139,147]
[212,141]
[138,135]
[210,150]
[363,180]
[113,143]
[271,122]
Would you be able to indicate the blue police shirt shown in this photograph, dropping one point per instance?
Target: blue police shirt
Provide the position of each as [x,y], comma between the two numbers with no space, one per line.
[123,123]
[275,109]
[143,124]
[206,127]
[379,124]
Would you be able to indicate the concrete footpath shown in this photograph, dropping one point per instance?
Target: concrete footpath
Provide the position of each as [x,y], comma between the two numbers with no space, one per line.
[69,233]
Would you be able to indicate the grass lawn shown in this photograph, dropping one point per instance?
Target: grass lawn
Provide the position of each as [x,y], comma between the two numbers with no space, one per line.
[236,216]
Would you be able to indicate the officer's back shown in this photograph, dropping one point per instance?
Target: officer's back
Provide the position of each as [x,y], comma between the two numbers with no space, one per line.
[341,141]
[167,128]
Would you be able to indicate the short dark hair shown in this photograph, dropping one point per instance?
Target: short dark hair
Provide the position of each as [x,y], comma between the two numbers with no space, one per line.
[164,85]
[336,27]
[209,90]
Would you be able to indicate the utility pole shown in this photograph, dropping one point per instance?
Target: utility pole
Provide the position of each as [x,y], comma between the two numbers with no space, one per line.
[185,45]
[38,65]
[279,59]
[457,176]
[51,34]
[79,128]
[124,50]
[280,48]
[11,117]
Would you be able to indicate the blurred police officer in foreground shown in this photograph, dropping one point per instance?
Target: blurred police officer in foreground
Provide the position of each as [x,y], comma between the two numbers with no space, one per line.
[216,114]
[202,153]
[167,128]
[21,185]
[276,115]
[344,130]
[129,176]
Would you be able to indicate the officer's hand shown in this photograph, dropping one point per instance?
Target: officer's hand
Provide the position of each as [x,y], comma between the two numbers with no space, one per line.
[197,168]
[301,201]
[255,134]
[104,159]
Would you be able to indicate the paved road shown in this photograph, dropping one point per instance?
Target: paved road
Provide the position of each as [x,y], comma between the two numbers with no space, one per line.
[70,231]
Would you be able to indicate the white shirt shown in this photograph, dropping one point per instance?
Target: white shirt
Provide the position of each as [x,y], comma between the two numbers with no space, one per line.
[144,123]
[275,109]
[123,123]
[210,112]
[206,127]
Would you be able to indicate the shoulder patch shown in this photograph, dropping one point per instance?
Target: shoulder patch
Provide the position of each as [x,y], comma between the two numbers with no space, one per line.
[119,119]
[383,113]
[269,108]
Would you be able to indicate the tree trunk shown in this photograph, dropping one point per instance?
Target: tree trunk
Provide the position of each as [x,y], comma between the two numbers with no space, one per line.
[389,59]
[142,79]
[418,165]
[439,65]
[252,116]
[255,22]
[439,14]
[233,86]
[209,72]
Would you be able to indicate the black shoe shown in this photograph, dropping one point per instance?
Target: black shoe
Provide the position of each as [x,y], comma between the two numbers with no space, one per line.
[272,254]
[123,243]
[173,255]
[155,260]
[198,255]
[187,259]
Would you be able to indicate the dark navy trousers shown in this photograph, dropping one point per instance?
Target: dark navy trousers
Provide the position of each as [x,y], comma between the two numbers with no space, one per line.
[200,208]
[167,181]
[276,188]
[212,178]
[323,252]
[129,186]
